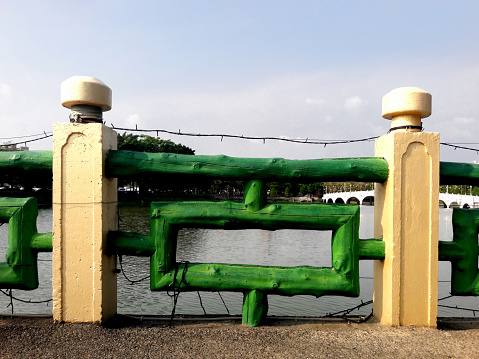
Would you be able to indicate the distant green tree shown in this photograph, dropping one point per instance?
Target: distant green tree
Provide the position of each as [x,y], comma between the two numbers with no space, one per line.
[156,183]
[145,143]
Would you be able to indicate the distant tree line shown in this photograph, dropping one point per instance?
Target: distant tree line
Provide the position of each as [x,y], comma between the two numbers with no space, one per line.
[170,185]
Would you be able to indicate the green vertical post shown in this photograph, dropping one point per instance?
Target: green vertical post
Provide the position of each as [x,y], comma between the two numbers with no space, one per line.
[255,308]
[255,195]
[255,302]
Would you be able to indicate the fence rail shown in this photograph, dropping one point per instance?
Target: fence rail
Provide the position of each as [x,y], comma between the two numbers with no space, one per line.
[125,163]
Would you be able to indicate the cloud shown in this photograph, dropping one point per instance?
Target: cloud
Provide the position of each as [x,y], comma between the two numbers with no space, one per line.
[353,103]
[315,102]
[5,91]
[133,120]
[464,120]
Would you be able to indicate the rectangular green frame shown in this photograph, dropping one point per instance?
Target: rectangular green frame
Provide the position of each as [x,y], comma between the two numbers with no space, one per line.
[465,271]
[342,278]
[20,269]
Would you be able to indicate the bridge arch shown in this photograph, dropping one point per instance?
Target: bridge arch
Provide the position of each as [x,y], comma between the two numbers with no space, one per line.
[339,200]
[368,200]
[353,200]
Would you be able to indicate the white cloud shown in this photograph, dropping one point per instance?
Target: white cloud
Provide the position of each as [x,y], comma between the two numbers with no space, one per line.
[464,120]
[315,102]
[354,102]
[5,91]
[133,120]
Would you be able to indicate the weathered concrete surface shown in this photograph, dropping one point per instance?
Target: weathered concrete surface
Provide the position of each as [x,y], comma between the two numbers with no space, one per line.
[41,338]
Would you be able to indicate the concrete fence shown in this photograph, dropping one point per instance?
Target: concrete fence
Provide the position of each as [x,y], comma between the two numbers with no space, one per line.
[85,210]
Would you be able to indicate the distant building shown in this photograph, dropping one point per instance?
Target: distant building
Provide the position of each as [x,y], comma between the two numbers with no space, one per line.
[15,148]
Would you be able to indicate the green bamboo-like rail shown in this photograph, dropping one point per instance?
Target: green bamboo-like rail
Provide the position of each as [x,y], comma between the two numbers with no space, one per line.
[19,271]
[26,160]
[465,267]
[450,251]
[42,242]
[368,169]
[455,173]
[125,163]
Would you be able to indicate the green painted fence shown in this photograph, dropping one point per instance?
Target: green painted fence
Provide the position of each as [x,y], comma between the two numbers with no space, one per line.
[256,282]
[19,271]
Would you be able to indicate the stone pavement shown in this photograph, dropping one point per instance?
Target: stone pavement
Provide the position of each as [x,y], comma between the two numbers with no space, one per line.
[40,337]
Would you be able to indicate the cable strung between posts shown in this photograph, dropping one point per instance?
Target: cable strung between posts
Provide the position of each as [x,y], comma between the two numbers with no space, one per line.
[176,293]
[345,312]
[14,137]
[455,307]
[25,142]
[132,281]
[460,147]
[224,303]
[12,298]
[201,302]
[263,138]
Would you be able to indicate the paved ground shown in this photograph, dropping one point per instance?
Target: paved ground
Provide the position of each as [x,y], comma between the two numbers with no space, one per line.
[22,337]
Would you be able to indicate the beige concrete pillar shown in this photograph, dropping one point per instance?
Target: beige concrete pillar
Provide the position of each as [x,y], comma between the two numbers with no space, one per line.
[406,214]
[84,207]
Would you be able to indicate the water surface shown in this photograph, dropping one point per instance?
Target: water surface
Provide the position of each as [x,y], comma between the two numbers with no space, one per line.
[259,247]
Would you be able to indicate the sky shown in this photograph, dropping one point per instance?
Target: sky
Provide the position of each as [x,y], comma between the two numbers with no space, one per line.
[292,69]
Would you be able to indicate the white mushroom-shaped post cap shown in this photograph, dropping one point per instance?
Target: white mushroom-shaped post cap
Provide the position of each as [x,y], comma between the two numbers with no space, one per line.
[406,106]
[85,90]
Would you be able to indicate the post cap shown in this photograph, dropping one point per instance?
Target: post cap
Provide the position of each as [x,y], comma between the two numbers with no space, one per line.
[85,90]
[407,101]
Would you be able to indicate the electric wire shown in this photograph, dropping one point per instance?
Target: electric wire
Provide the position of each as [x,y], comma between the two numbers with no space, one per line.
[26,141]
[131,281]
[29,301]
[311,141]
[243,137]
[15,137]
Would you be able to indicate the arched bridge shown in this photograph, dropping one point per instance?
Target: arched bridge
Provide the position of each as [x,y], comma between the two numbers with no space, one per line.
[447,200]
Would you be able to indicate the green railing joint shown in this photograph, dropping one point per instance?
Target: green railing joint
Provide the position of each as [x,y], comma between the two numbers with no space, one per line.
[42,242]
[130,244]
[451,251]
[372,249]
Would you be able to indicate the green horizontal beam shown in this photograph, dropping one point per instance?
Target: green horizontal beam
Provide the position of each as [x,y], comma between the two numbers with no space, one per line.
[130,244]
[26,160]
[242,277]
[372,249]
[449,251]
[459,173]
[367,169]
[42,242]
[124,163]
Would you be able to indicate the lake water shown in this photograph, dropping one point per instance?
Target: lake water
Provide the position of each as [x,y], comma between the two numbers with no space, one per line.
[279,248]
